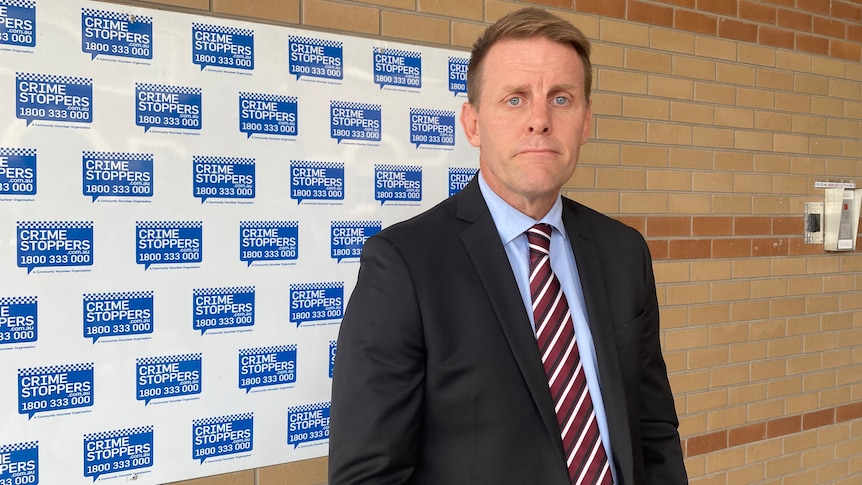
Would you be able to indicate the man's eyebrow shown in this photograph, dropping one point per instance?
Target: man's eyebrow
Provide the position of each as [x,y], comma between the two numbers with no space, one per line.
[517,88]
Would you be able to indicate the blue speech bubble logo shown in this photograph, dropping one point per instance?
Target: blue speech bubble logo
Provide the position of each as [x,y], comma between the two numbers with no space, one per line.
[457,67]
[175,107]
[393,67]
[53,98]
[316,302]
[308,423]
[312,57]
[397,183]
[54,244]
[78,391]
[224,47]
[116,34]
[266,366]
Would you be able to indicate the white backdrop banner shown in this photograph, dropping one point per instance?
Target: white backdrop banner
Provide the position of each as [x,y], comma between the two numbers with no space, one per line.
[183,201]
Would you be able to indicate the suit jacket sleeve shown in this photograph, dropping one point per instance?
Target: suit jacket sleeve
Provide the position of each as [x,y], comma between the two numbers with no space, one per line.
[663,461]
[377,387]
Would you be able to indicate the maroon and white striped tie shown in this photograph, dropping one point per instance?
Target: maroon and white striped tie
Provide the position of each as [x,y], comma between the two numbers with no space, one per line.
[555,335]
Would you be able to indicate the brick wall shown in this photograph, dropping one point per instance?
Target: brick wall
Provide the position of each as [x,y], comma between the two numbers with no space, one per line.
[713,120]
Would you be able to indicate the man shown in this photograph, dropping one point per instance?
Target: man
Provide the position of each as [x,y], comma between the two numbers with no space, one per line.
[444,374]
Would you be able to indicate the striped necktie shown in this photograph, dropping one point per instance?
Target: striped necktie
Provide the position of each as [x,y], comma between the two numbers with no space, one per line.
[555,335]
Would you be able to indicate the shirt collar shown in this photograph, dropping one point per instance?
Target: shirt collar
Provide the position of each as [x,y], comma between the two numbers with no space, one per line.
[511,222]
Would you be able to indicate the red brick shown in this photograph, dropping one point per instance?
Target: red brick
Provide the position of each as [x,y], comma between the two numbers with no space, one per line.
[771,36]
[648,13]
[783,426]
[812,45]
[770,246]
[752,226]
[817,419]
[746,434]
[663,226]
[738,247]
[757,12]
[736,30]
[679,3]
[638,223]
[689,249]
[720,7]
[699,445]
[658,248]
[694,22]
[788,225]
[854,33]
[799,248]
[848,412]
[845,50]
[605,8]
[794,20]
[846,11]
[712,226]
[785,3]
[817,6]
[829,27]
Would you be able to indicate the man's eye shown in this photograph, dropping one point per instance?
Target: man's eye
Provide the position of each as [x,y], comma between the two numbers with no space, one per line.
[514,101]
[561,100]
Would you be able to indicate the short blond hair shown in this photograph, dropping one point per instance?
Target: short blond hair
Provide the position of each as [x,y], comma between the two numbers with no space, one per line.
[527,23]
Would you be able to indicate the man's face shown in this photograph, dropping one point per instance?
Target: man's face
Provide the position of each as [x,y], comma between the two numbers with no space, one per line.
[530,121]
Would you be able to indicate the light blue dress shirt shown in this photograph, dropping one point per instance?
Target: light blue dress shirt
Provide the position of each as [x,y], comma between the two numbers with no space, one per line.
[511,225]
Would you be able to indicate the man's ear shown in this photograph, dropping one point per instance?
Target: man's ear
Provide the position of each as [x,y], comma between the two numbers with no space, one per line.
[470,123]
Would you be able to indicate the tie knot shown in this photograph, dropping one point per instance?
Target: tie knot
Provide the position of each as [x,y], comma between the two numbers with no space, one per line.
[539,236]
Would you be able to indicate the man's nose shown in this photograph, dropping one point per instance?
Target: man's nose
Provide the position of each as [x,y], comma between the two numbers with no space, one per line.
[539,122]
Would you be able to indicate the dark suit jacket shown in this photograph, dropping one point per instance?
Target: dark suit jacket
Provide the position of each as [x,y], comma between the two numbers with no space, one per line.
[438,379]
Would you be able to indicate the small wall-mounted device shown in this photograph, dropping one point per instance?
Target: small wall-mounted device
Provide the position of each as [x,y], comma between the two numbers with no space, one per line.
[813,223]
[841,218]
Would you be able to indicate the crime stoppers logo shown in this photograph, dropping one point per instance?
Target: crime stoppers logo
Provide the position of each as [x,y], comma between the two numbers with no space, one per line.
[269,241]
[18,319]
[354,121]
[316,180]
[225,47]
[316,302]
[223,178]
[432,127]
[108,174]
[219,309]
[19,463]
[316,58]
[45,97]
[168,376]
[347,237]
[118,314]
[116,34]
[268,114]
[18,23]
[222,435]
[117,451]
[160,106]
[54,244]
[54,388]
[457,68]
[267,366]
[307,423]
[459,177]
[168,242]
[398,68]
[17,171]
[397,183]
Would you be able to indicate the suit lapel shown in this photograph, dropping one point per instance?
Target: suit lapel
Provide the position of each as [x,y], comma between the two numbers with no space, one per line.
[482,242]
[593,284]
